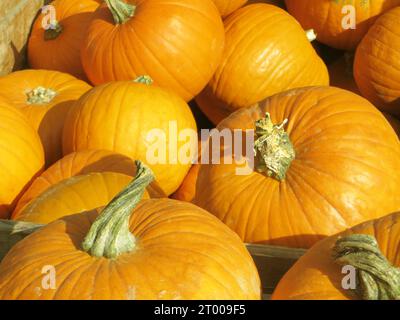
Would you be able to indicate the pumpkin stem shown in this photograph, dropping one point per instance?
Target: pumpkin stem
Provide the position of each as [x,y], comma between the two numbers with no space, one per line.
[109,235]
[53,32]
[311,35]
[144,80]
[120,10]
[40,95]
[377,278]
[273,148]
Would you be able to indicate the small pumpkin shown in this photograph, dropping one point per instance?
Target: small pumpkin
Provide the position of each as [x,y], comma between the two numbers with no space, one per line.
[73,195]
[266,52]
[178,44]
[153,250]
[334,165]
[21,156]
[75,164]
[372,248]
[58,48]
[45,98]
[328,19]
[121,117]
[226,7]
[377,63]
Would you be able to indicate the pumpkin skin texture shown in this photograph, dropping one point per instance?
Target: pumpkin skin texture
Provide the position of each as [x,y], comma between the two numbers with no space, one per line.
[315,276]
[74,195]
[326,17]
[266,52]
[51,50]
[127,112]
[345,171]
[226,7]
[21,159]
[75,164]
[183,62]
[377,63]
[169,262]
[46,116]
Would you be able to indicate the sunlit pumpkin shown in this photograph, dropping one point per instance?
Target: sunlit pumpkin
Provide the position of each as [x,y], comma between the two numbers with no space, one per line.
[226,7]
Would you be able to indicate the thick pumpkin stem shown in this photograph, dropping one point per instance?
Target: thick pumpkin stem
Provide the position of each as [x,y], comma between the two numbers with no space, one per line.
[144,79]
[109,235]
[40,95]
[377,278]
[53,32]
[121,10]
[273,148]
[311,35]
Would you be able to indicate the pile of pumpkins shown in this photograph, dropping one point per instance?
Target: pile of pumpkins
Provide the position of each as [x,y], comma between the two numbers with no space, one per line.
[327,177]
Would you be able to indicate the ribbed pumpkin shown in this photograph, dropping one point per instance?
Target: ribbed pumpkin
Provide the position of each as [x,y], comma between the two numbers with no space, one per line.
[45,98]
[59,47]
[74,195]
[336,165]
[372,248]
[166,250]
[266,52]
[120,116]
[226,7]
[74,164]
[21,156]
[326,17]
[179,44]
[377,63]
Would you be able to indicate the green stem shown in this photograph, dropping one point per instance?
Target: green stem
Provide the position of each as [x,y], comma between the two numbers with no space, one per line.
[109,236]
[144,80]
[273,148]
[377,278]
[311,35]
[121,10]
[40,95]
[53,32]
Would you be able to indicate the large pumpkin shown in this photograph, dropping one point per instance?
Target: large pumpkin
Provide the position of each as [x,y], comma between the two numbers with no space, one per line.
[125,117]
[226,7]
[74,164]
[377,63]
[21,156]
[179,44]
[337,165]
[45,98]
[266,52]
[372,248]
[74,195]
[166,250]
[58,48]
[331,19]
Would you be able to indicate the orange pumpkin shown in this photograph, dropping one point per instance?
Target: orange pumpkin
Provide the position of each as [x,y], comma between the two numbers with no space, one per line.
[371,248]
[179,44]
[21,156]
[337,165]
[187,190]
[158,253]
[226,7]
[332,22]
[131,118]
[58,48]
[266,52]
[74,164]
[45,98]
[377,63]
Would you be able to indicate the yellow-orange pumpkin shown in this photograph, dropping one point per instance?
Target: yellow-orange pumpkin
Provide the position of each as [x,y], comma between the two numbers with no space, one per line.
[372,248]
[266,52]
[377,63]
[179,44]
[45,98]
[226,7]
[166,250]
[126,117]
[58,48]
[328,18]
[21,156]
[341,168]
